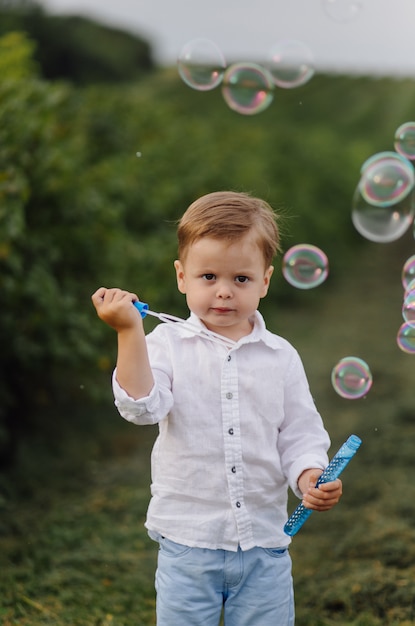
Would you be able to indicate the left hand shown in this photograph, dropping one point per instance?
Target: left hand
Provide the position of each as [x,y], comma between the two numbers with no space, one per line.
[325,497]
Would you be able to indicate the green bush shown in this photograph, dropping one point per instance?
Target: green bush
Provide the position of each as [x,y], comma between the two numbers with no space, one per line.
[79,209]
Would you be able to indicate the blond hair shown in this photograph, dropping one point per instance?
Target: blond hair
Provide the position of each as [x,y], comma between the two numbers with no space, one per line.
[229,215]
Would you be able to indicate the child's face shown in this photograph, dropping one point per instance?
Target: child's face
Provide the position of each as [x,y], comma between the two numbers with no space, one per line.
[224,283]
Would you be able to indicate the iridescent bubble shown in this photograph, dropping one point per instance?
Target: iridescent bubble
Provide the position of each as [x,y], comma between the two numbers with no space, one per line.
[247,88]
[410,287]
[342,10]
[408,271]
[405,140]
[305,266]
[351,378]
[386,178]
[406,338]
[408,308]
[291,64]
[382,224]
[201,64]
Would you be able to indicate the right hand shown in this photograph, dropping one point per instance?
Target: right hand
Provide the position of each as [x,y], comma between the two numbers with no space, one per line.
[115,308]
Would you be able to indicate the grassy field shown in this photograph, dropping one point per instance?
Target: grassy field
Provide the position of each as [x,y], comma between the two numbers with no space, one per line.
[73,549]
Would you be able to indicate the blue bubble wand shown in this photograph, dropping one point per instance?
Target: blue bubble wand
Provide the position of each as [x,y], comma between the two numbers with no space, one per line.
[143,309]
[333,470]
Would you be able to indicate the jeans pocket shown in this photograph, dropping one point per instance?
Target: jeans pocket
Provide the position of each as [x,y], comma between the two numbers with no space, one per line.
[172,549]
[276,553]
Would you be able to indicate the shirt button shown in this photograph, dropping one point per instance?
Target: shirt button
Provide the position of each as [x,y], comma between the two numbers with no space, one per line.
[230,431]
[238,505]
[233,470]
[229,395]
[229,357]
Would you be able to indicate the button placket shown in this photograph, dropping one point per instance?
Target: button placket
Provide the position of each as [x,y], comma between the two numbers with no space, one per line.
[233,446]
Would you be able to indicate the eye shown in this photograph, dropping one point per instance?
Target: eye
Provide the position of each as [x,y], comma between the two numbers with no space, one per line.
[209,276]
[242,279]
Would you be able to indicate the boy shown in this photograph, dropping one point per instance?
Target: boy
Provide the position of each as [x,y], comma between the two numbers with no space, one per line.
[237,423]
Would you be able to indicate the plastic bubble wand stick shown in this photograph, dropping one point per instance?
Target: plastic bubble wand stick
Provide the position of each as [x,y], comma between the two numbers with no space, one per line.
[143,309]
[333,470]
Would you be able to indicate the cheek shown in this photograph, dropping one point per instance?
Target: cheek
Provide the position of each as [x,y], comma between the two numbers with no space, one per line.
[194,294]
[189,292]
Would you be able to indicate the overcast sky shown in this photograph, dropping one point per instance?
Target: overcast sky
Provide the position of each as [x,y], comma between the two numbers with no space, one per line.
[363,36]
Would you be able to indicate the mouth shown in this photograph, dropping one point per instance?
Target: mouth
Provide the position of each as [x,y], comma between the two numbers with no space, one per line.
[221,310]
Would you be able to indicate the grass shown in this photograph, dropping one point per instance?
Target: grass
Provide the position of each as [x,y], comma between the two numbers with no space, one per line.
[73,548]
[81,557]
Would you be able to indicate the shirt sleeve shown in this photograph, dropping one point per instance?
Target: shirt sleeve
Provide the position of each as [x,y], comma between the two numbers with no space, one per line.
[303,440]
[155,407]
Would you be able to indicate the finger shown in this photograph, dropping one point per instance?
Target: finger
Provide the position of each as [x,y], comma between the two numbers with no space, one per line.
[98,297]
[99,293]
[103,294]
[320,495]
[113,295]
[120,295]
[317,498]
[313,478]
[320,505]
[334,485]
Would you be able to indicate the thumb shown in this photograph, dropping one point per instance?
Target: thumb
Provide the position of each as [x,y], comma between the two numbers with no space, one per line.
[313,477]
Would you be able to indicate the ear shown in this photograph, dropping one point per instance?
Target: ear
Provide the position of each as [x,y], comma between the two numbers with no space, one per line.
[181,282]
[267,279]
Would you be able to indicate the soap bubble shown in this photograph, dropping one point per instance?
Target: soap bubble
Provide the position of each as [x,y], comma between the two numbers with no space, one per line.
[408,271]
[405,140]
[201,64]
[291,64]
[247,88]
[382,223]
[342,10]
[406,338]
[351,378]
[305,266]
[410,287]
[383,203]
[408,308]
[387,178]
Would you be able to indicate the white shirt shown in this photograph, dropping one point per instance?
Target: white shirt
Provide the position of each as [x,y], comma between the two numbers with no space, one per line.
[236,427]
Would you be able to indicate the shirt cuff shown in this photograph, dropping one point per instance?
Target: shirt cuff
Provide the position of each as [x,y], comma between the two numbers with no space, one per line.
[131,408]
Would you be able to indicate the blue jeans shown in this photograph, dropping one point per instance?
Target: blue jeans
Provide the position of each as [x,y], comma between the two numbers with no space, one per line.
[254,587]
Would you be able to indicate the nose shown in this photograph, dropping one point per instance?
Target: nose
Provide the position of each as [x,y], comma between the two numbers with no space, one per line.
[224,290]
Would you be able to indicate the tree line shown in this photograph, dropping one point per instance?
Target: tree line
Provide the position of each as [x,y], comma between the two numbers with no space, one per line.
[75,48]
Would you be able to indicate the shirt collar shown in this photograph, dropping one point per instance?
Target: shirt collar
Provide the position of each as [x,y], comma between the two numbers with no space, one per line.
[259,331]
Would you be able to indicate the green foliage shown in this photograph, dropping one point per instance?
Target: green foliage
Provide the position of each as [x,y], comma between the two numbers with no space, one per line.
[49,238]
[79,209]
[16,57]
[75,48]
